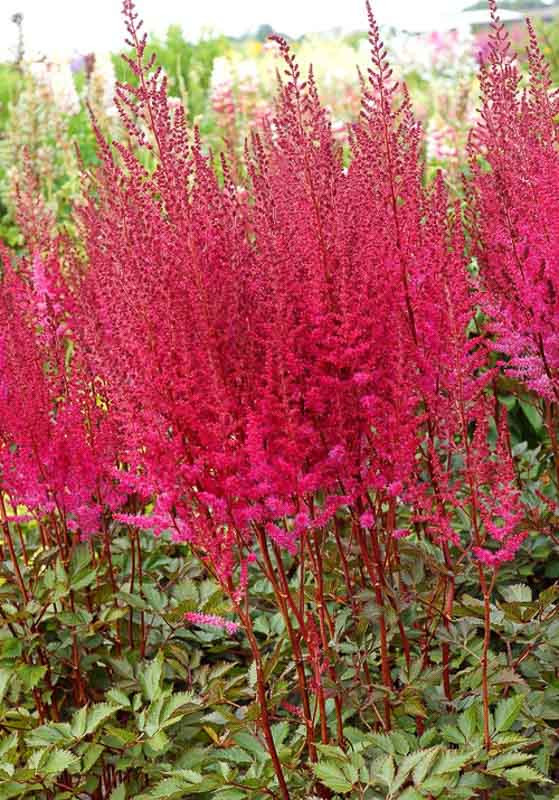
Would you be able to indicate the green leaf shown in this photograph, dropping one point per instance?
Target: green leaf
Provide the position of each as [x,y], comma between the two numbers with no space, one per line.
[414,705]
[7,744]
[249,742]
[11,648]
[53,733]
[424,766]
[151,678]
[332,776]
[79,722]
[505,760]
[408,764]
[517,593]
[332,752]
[400,743]
[236,755]
[532,415]
[190,776]
[91,754]
[97,714]
[280,732]
[411,794]
[158,742]
[507,712]
[452,734]
[119,698]
[251,675]
[31,675]
[384,742]
[383,770]
[168,789]
[452,761]
[119,793]
[468,721]
[133,600]
[524,774]
[176,706]
[5,675]
[59,761]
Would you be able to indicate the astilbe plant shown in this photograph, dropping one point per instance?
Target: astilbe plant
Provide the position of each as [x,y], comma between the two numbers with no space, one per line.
[57,452]
[289,375]
[513,209]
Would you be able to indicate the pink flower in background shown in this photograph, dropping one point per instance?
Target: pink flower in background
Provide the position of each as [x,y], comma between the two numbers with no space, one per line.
[214,621]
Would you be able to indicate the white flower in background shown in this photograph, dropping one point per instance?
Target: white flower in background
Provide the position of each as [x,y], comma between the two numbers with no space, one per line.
[102,82]
[56,76]
[247,71]
[449,54]
[222,73]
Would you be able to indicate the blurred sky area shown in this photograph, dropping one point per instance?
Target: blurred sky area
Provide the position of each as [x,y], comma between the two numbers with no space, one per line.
[70,26]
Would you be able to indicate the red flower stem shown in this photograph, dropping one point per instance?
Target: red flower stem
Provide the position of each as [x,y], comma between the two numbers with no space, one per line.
[11,548]
[487,590]
[384,653]
[245,618]
[283,596]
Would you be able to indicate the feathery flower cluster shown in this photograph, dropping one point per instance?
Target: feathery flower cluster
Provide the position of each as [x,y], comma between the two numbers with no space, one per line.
[214,621]
[514,211]
[266,364]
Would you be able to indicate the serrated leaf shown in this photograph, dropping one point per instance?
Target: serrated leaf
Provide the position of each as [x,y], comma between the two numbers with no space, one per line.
[7,744]
[120,734]
[517,593]
[452,734]
[118,697]
[384,742]
[332,752]
[190,776]
[280,732]
[505,760]
[383,770]
[97,714]
[59,761]
[524,774]
[158,742]
[400,743]
[79,722]
[151,678]
[422,769]
[452,761]
[5,675]
[90,755]
[133,600]
[332,776]
[31,675]
[468,722]
[408,764]
[414,706]
[235,754]
[507,712]
[250,743]
[53,733]
[168,789]
[175,707]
